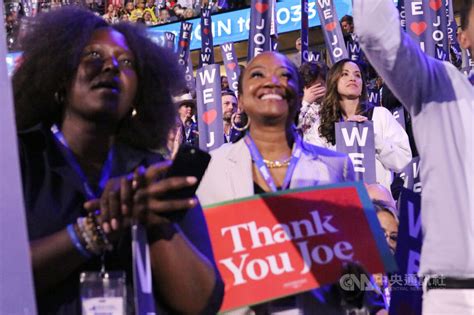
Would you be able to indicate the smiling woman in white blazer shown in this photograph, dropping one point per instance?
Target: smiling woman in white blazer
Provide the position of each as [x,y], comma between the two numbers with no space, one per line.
[270,94]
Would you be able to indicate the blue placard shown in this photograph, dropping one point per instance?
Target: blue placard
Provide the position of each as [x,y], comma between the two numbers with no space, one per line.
[260,24]
[411,176]
[358,141]
[209,107]
[231,66]
[332,30]
[405,285]
[207,52]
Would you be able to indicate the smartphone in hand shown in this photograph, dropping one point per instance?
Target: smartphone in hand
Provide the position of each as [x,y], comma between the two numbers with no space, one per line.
[189,161]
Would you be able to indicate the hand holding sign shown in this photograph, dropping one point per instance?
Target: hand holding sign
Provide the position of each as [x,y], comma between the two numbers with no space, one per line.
[356,138]
[357,118]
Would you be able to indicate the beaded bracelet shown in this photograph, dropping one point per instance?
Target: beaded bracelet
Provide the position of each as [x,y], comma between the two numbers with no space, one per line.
[94,237]
[101,236]
[77,243]
[87,232]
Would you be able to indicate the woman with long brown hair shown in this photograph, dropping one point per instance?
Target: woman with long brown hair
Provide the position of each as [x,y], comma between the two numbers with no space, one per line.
[345,100]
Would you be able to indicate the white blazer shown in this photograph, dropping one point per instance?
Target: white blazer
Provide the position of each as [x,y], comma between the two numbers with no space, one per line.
[229,175]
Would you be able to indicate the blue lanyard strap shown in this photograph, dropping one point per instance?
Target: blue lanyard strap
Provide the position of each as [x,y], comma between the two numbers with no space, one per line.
[71,159]
[262,168]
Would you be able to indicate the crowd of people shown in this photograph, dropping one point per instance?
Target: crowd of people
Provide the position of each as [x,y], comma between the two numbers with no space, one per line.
[109,110]
[148,12]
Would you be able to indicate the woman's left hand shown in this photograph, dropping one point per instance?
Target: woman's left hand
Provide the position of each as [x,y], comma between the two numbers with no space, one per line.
[357,118]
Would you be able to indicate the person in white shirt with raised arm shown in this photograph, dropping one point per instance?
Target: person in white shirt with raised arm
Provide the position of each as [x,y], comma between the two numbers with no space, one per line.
[441,102]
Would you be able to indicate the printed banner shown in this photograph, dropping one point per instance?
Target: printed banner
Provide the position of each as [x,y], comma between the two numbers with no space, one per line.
[169,41]
[357,140]
[353,48]
[260,24]
[427,25]
[17,293]
[332,30]
[399,114]
[402,14]
[208,92]
[274,27]
[142,276]
[183,43]
[411,176]
[373,95]
[439,19]
[315,56]
[467,62]
[189,75]
[453,41]
[407,292]
[231,65]
[233,26]
[304,31]
[274,245]
[450,10]
[206,56]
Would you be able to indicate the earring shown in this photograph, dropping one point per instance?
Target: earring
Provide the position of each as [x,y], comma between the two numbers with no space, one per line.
[232,122]
[134,112]
[59,97]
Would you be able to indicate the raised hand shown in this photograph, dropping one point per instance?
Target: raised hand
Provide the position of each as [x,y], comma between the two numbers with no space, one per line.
[314,93]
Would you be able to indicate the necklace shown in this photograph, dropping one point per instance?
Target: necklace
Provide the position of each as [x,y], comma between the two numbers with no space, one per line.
[277,163]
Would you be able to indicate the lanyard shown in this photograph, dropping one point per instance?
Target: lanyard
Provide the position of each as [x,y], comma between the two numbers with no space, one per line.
[71,159]
[262,168]
[187,131]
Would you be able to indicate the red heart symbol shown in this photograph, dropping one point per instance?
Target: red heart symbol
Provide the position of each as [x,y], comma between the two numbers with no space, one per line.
[205,30]
[231,65]
[209,116]
[183,43]
[436,4]
[330,26]
[261,7]
[418,28]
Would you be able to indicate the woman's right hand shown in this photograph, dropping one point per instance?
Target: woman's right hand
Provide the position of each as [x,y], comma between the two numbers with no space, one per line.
[140,196]
[114,207]
[150,205]
[314,93]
